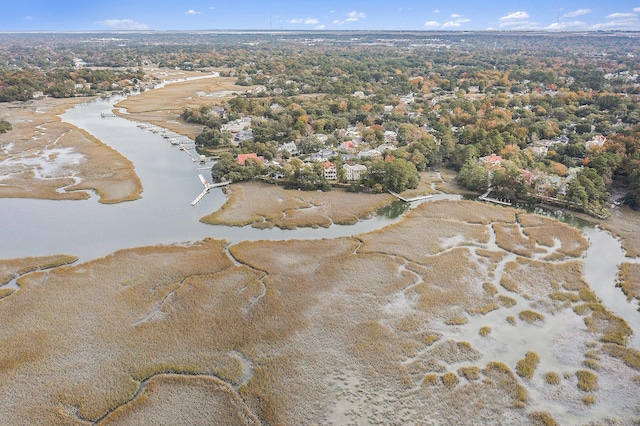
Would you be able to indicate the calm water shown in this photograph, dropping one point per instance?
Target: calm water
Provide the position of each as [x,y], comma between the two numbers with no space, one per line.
[164,215]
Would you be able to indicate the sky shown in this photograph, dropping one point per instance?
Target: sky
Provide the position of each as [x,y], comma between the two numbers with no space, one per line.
[411,15]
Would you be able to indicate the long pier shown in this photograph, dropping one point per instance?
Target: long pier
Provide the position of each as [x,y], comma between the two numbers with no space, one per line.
[410,200]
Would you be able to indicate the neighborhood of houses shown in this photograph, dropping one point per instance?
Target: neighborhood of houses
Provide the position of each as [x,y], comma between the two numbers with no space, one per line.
[352,149]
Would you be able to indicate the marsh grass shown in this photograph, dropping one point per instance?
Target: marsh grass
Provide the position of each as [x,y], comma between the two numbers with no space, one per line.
[530,316]
[4,292]
[546,232]
[507,301]
[450,379]
[484,331]
[526,367]
[489,288]
[511,320]
[542,418]
[564,296]
[537,280]
[591,364]
[177,396]
[509,238]
[589,400]
[263,205]
[630,356]
[13,268]
[101,169]
[431,379]
[470,373]
[500,373]
[610,328]
[587,380]
[552,378]
[629,280]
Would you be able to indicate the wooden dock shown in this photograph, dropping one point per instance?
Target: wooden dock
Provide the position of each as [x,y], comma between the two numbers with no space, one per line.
[410,200]
[207,187]
[485,197]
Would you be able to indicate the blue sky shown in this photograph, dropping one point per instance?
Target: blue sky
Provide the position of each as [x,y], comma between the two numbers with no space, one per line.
[503,15]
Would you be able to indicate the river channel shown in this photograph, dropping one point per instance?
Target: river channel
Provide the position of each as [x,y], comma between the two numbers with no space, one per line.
[164,215]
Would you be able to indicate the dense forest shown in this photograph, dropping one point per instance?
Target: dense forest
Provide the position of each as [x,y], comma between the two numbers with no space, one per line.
[554,107]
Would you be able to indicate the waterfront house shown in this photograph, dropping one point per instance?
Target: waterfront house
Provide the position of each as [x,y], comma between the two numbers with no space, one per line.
[354,172]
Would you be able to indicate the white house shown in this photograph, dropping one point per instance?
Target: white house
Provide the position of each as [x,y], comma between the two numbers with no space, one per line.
[354,172]
[291,148]
[330,172]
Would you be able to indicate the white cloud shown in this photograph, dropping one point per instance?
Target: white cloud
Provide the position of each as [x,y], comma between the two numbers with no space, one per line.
[576,13]
[515,16]
[436,11]
[307,21]
[636,10]
[192,12]
[320,27]
[622,16]
[558,26]
[451,24]
[353,16]
[123,24]
[455,15]
[455,23]
[518,20]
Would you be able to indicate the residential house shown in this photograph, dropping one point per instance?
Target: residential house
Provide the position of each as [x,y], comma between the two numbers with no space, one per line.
[386,146]
[242,136]
[491,162]
[348,146]
[242,158]
[291,148]
[596,142]
[407,99]
[322,155]
[330,172]
[390,136]
[354,172]
[369,153]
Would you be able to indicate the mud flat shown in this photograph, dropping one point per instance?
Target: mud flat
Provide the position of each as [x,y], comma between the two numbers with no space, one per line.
[435,317]
[45,158]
